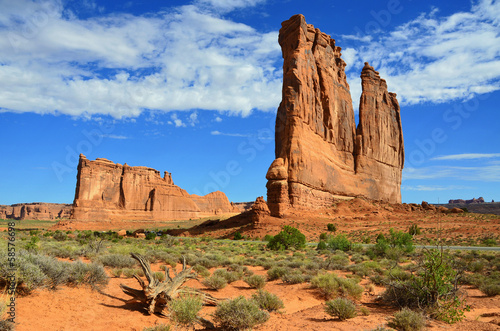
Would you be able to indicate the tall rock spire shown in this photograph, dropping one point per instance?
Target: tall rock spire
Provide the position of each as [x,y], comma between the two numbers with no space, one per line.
[317,143]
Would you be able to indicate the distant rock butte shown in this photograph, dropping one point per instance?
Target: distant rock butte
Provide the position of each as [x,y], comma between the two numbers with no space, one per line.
[473,200]
[111,191]
[35,211]
[320,153]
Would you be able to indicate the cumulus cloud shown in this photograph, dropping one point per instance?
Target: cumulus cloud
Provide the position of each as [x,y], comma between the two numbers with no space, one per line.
[229,5]
[182,59]
[194,57]
[465,156]
[434,58]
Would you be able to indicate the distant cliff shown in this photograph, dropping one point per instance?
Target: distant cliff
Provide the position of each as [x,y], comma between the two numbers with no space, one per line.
[473,200]
[111,191]
[35,211]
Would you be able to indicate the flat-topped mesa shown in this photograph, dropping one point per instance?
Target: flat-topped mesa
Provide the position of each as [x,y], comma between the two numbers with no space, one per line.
[111,191]
[318,147]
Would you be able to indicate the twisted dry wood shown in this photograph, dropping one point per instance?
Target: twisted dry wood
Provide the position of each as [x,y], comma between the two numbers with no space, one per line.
[156,294]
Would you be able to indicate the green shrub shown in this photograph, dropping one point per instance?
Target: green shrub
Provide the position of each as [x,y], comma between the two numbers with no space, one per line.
[229,276]
[160,276]
[321,246]
[117,261]
[401,240]
[414,230]
[331,227]
[150,235]
[32,245]
[341,307]
[201,270]
[364,311]
[215,282]
[267,301]
[237,236]
[339,242]
[434,286]
[256,281]
[330,286]
[55,270]
[267,238]
[338,261]
[116,272]
[276,273]
[407,320]
[130,272]
[289,237]
[29,275]
[323,236]
[184,310]
[490,289]
[293,277]
[366,268]
[490,285]
[60,236]
[239,314]
[91,273]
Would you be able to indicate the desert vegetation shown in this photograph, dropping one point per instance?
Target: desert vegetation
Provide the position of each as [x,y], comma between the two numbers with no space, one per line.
[419,285]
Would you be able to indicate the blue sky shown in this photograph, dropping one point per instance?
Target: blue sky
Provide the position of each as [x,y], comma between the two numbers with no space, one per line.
[192,87]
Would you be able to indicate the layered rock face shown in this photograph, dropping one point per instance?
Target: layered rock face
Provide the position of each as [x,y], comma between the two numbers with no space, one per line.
[111,191]
[320,154]
[35,211]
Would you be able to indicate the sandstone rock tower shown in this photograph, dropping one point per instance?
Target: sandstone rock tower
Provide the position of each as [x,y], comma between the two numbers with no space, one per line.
[111,191]
[320,154]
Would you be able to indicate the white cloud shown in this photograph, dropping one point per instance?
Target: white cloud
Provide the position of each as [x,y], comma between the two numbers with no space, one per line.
[487,173]
[229,5]
[120,65]
[114,136]
[218,133]
[436,59]
[218,119]
[434,188]
[193,118]
[470,156]
[176,121]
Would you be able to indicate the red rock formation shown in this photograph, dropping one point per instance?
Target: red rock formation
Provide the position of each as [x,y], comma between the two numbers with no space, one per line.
[111,191]
[473,200]
[35,211]
[319,151]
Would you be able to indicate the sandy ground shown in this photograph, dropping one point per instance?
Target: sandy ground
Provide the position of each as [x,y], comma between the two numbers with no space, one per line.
[82,308]
[85,309]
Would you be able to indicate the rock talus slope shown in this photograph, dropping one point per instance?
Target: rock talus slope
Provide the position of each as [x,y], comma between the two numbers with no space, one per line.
[111,191]
[320,154]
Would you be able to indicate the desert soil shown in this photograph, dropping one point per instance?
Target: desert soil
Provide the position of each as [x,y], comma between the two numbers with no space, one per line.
[81,308]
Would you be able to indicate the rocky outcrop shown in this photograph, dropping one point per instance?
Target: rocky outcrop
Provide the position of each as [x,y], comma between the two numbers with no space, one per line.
[35,211]
[462,201]
[111,191]
[320,153]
